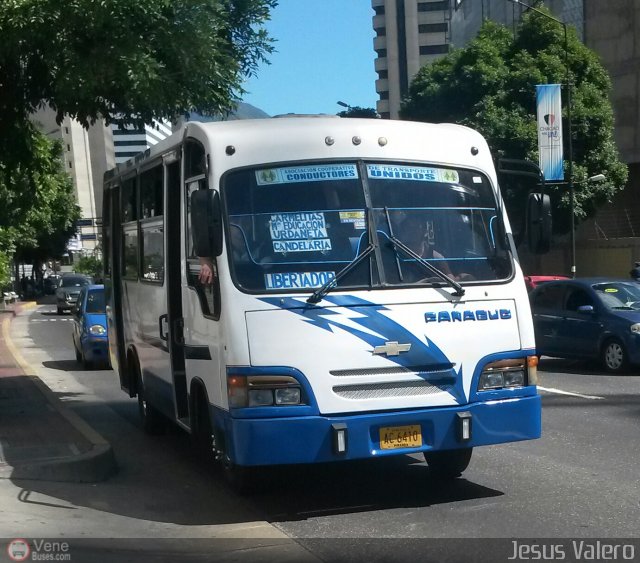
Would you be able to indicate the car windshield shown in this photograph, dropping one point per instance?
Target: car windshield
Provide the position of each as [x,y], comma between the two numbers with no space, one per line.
[95,301]
[295,228]
[74,281]
[619,295]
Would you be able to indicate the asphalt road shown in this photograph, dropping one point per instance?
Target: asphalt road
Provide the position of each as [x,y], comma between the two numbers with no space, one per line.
[580,480]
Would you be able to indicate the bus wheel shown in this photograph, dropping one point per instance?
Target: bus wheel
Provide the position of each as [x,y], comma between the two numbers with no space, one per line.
[152,420]
[448,464]
[202,435]
[242,479]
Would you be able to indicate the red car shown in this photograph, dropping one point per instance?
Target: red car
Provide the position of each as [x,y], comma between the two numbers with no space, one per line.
[534,281]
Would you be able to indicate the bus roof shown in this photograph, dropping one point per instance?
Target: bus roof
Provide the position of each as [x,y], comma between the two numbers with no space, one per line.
[287,138]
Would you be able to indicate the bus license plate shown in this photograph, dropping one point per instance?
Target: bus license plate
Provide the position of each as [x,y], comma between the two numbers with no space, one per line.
[393,437]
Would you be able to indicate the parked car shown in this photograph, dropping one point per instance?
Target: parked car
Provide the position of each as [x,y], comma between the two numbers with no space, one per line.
[590,318]
[534,281]
[90,339]
[68,290]
[50,284]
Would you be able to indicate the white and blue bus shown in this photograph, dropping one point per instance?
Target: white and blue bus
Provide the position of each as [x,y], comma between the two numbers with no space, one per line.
[367,300]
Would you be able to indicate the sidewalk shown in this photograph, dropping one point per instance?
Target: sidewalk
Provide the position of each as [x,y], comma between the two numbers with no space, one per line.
[39,437]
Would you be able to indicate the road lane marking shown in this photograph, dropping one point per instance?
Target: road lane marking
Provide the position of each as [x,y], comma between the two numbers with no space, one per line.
[561,392]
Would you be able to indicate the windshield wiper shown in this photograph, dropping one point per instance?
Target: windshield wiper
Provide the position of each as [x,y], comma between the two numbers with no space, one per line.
[319,293]
[398,244]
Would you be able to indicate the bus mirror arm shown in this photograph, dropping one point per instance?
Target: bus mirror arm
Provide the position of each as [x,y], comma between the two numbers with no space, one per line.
[206,223]
[539,223]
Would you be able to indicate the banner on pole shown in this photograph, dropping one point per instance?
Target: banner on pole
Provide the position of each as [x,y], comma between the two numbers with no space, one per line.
[549,106]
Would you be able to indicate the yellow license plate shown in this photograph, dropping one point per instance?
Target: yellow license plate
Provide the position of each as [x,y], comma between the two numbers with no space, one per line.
[393,437]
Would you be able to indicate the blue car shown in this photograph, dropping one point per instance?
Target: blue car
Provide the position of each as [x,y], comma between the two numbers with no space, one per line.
[589,318]
[90,338]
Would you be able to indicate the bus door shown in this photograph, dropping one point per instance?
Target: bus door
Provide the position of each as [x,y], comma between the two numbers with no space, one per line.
[112,238]
[170,323]
[200,303]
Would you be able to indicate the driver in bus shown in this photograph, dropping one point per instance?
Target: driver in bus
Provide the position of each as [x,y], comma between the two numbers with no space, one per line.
[414,233]
[207,270]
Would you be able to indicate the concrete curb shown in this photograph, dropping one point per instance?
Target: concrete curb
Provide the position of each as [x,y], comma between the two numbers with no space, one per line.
[92,466]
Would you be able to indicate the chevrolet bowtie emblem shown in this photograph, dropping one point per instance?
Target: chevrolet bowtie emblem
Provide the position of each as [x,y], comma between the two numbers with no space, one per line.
[392,348]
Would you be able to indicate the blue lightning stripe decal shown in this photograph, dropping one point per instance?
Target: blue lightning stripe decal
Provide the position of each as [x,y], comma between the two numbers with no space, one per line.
[377,329]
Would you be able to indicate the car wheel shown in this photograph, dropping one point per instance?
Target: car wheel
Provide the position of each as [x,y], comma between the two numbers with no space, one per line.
[448,464]
[614,356]
[86,364]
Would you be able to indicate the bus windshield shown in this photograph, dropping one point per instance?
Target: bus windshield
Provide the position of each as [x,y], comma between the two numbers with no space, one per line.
[297,227]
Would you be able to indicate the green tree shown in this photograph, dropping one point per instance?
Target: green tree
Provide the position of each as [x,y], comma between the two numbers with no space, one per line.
[5,274]
[90,265]
[123,60]
[490,85]
[38,210]
[357,111]
[120,60]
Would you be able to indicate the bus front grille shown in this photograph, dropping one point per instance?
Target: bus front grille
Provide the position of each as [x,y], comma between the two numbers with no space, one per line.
[390,389]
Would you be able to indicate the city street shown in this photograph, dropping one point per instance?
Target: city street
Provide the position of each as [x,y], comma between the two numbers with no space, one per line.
[580,480]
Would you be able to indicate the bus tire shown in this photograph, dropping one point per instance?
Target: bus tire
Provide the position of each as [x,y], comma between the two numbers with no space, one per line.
[448,464]
[203,439]
[153,422]
[242,479]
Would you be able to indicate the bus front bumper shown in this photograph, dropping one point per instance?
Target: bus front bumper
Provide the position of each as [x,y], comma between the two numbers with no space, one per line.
[313,439]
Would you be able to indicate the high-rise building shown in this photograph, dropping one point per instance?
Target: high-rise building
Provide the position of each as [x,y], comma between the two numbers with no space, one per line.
[413,33]
[129,141]
[87,154]
[467,16]
[409,34]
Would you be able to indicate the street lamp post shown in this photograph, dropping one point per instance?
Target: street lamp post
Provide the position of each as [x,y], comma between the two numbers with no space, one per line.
[569,131]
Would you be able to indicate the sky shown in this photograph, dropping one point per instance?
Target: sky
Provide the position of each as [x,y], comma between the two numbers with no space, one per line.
[323,53]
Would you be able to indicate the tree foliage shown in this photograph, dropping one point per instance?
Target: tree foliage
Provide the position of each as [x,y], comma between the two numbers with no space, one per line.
[38,209]
[4,271]
[90,265]
[490,85]
[122,60]
[357,111]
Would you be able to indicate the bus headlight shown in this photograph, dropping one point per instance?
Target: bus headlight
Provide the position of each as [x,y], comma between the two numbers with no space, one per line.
[507,373]
[260,397]
[287,396]
[263,391]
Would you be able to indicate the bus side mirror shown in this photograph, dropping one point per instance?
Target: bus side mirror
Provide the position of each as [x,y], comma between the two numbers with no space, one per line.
[539,223]
[206,223]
